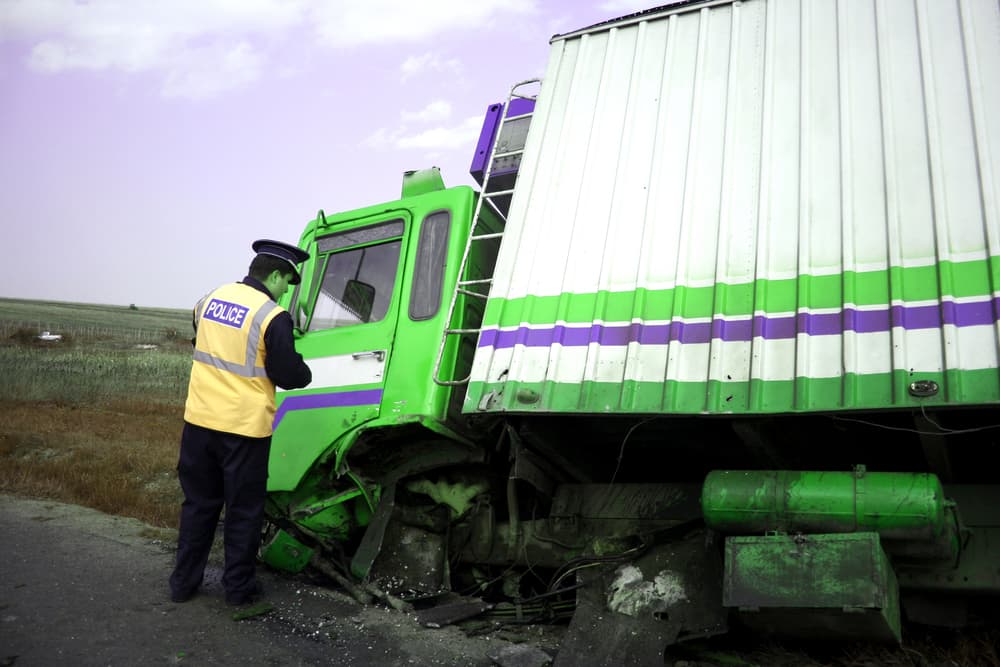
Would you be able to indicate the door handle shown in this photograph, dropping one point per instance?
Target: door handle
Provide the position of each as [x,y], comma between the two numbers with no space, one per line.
[378,354]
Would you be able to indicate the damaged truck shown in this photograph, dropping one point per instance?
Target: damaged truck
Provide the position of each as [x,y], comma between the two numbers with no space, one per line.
[714,344]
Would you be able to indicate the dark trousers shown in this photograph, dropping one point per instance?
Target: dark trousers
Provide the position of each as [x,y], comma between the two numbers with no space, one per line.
[217,469]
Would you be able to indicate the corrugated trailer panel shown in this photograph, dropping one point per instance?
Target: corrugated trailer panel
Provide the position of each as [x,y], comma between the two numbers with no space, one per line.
[755,207]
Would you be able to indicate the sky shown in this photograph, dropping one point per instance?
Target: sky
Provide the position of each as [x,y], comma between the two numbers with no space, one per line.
[144,144]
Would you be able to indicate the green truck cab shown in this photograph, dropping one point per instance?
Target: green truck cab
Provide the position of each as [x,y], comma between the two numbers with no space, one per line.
[371,303]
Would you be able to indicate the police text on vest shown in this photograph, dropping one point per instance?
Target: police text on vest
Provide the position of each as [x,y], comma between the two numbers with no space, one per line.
[224,312]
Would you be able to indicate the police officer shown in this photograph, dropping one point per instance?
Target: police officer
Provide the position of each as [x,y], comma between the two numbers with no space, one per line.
[243,348]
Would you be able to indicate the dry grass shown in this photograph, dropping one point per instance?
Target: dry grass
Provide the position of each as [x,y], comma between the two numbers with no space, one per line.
[118,457]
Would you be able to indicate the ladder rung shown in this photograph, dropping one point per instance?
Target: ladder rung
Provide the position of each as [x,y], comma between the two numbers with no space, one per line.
[483,237]
[471,293]
[497,156]
[521,115]
[479,281]
[462,331]
[498,193]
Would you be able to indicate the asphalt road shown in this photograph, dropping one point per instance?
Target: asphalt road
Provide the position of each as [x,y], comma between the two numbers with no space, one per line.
[78,587]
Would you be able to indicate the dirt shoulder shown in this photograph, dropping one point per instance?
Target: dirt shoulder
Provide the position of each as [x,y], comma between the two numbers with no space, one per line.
[86,588]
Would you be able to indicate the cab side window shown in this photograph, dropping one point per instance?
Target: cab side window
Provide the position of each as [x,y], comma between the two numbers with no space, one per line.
[428,274]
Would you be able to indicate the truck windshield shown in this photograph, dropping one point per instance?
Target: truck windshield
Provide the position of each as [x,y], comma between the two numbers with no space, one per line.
[357,283]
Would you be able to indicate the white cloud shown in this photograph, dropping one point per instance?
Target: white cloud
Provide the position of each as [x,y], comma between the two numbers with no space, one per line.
[443,138]
[94,19]
[206,72]
[346,24]
[201,47]
[196,44]
[381,138]
[436,111]
[431,140]
[428,62]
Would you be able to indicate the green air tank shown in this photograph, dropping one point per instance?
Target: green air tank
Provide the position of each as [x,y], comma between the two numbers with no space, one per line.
[898,506]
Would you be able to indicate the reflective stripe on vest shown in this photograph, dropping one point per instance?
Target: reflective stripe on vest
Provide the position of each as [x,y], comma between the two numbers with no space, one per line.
[248,369]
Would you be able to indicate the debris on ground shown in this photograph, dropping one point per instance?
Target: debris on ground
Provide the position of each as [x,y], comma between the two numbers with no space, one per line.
[256,610]
[521,655]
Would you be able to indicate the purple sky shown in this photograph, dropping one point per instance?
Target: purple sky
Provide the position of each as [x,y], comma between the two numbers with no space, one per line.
[146,144]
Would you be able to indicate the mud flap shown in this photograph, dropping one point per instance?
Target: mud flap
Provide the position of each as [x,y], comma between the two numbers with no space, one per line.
[627,614]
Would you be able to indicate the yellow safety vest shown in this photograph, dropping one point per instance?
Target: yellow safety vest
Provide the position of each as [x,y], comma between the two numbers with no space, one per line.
[229,389]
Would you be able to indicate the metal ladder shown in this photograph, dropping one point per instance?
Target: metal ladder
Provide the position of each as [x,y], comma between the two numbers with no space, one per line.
[464,287]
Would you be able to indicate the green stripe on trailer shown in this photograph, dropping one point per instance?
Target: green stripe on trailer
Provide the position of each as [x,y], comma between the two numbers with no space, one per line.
[862,288]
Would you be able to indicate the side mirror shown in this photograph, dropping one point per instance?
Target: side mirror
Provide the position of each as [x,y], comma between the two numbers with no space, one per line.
[359,298]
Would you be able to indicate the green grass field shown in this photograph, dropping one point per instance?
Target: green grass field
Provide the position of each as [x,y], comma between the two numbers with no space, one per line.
[95,418]
[107,352]
[94,322]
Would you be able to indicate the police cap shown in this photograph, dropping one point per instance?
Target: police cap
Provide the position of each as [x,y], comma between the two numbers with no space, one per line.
[294,255]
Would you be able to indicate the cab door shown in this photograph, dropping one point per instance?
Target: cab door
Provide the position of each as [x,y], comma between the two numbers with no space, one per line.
[348,316]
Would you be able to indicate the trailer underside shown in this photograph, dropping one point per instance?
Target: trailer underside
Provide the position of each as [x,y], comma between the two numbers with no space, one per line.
[627,523]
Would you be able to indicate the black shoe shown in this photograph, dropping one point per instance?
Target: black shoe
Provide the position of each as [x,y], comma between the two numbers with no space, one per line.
[245,597]
[180,597]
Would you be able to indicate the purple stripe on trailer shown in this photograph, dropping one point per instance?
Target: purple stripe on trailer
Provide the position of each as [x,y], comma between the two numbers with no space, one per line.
[910,318]
[650,334]
[971,313]
[918,317]
[774,328]
[866,321]
[732,329]
[691,333]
